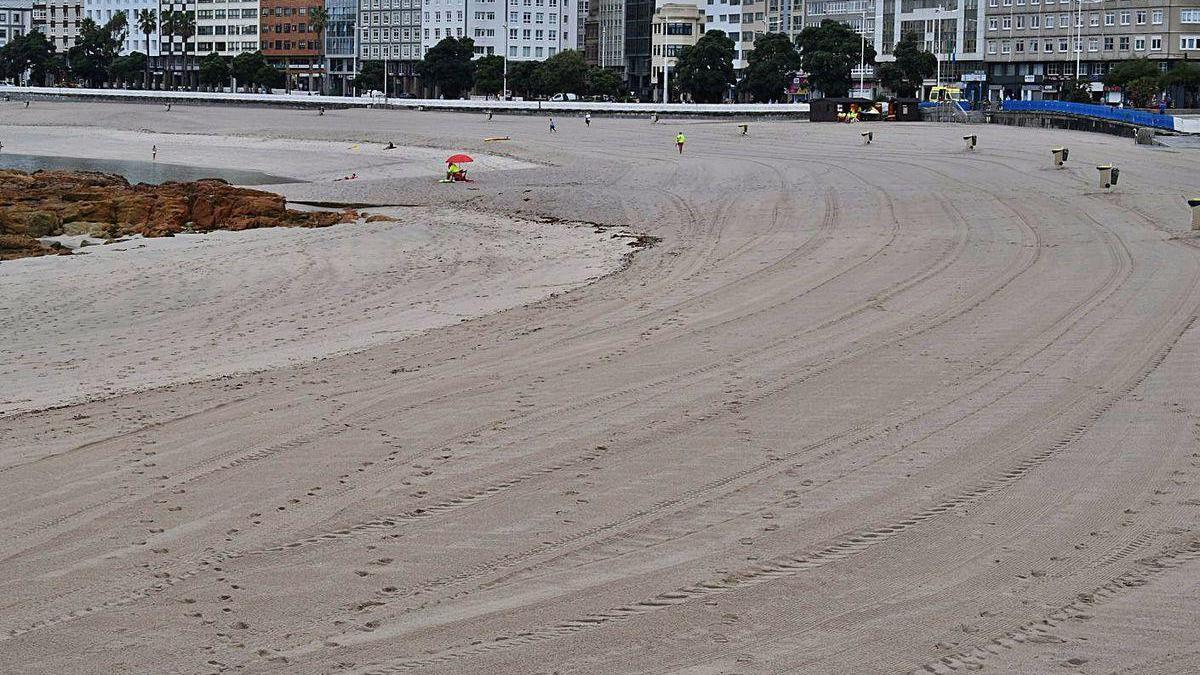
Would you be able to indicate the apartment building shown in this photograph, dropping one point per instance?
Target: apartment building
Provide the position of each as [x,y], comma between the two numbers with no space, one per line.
[1032,46]
[226,27]
[102,11]
[390,31]
[610,34]
[341,45]
[953,30]
[58,21]
[742,20]
[289,42]
[675,27]
[16,19]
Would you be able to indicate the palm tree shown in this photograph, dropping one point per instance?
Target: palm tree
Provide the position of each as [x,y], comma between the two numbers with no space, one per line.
[168,27]
[186,30]
[147,22]
[318,19]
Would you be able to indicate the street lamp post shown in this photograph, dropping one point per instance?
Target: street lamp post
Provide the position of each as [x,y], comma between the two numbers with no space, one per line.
[937,51]
[862,51]
[1078,37]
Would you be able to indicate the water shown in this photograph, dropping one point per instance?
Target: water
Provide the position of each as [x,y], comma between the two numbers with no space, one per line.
[139,172]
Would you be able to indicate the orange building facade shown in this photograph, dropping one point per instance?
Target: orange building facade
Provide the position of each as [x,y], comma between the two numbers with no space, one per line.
[289,42]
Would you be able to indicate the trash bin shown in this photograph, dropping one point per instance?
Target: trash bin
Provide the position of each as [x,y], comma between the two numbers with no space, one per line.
[1060,155]
[1108,175]
[908,110]
[1195,204]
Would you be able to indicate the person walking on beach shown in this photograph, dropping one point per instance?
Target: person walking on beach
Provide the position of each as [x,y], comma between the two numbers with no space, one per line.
[154,152]
[680,139]
[587,119]
[553,130]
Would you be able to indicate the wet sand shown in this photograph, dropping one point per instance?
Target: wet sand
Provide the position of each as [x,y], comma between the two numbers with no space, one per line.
[891,408]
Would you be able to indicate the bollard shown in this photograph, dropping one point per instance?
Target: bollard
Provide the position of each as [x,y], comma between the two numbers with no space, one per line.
[1195,204]
[867,137]
[745,128]
[970,141]
[1108,175]
[1060,155]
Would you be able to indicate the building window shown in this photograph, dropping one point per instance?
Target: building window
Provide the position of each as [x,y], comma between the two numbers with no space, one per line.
[1156,17]
[991,46]
[1189,16]
[1093,44]
[1110,18]
[1123,44]
[1062,44]
[1006,23]
[1108,43]
[1189,43]
[1140,17]
[1035,21]
[1139,44]
[1005,47]
[1049,21]
[1156,43]
[1125,17]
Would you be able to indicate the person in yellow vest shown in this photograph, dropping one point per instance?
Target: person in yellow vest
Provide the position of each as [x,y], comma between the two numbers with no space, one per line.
[680,139]
[452,171]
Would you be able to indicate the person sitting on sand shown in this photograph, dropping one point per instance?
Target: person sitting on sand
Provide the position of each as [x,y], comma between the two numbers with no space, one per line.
[455,172]
[390,146]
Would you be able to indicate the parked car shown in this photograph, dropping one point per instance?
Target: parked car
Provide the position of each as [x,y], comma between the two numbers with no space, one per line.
[564,97]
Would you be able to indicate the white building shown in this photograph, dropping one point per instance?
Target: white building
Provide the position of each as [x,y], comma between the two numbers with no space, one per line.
[102,11]
[16,19]
[58,21]
[227,27]
[530,30]
[742,20]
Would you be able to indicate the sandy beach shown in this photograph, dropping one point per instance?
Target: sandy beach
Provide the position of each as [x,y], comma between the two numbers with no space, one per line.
[862,409]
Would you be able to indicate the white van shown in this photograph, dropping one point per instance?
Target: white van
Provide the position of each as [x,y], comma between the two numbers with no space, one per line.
[564,97]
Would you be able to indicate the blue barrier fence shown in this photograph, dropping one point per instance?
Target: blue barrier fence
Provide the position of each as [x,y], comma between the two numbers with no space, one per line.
[1126,115]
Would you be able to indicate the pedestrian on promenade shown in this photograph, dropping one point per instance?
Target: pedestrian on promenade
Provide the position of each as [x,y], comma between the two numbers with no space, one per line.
[553,129]
[680,139]
[587,119]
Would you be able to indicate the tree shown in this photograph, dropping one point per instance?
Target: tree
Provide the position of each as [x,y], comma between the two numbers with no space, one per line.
[245,67]
[448,66]
[31,52]
[489,75]
[564,72]
[912,65]
[1127,71]
[603,82]
[126,68]
[185,27]
[318,19]
[1184,79]
[828,52]
[268,76]
[705,69]
[370,76]
[214,70]
[1142,90]
[96,48]
[522,78]
[147,23]
[770,67]
[1075,91]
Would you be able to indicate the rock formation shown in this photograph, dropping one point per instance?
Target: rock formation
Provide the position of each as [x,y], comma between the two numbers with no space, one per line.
[50,203]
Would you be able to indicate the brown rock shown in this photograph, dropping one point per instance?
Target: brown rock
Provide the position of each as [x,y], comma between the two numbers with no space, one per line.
[46,203]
